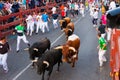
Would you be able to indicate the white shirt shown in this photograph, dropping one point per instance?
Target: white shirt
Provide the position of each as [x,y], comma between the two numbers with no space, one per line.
[95,14]
[76,7]
[29,19]
[39,17]
[112,5]
[53,9]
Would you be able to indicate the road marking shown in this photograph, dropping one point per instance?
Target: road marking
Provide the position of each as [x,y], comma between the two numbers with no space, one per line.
[21,72]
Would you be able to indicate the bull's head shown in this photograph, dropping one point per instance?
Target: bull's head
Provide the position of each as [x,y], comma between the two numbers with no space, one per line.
[63,24]
[67,19]
[68,53]
[41,66]
[31,52]
[68,31]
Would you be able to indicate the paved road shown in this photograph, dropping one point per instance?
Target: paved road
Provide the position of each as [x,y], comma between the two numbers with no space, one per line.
[86,68]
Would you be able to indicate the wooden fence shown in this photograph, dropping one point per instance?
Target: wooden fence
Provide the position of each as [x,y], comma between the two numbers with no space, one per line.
[115,55]
[6,28]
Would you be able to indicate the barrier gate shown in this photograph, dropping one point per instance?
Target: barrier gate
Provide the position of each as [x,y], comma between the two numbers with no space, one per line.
[115,54]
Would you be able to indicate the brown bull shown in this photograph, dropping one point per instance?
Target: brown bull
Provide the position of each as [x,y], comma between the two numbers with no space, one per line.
[67,52]
[73,41]
[69,29]
[64,22]
[67,19]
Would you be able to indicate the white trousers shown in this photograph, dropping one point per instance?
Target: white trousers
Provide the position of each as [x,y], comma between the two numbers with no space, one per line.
[55,24]
[3,60]
[109,34]
[39,26]
[30,28]
[102,57]
[103,35]
[45,25]
[82,12]
[19,38]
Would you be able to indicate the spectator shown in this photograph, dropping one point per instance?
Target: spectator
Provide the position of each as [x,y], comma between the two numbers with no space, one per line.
[8,6]
[24,3]
[1,5]
[15,7]
[4,48]
[31,4]
[112,5]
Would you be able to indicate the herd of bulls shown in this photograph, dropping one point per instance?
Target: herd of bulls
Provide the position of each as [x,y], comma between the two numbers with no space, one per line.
[47,57]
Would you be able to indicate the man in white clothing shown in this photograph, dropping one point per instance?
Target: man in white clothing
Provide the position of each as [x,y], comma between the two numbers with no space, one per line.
[30,24]
[39,23]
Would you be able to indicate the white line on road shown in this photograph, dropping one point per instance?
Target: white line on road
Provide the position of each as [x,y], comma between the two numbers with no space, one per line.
[21,72]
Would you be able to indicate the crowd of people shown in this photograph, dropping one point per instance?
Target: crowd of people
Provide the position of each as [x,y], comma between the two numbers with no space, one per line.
[103,28]
[13,6]
[40,20]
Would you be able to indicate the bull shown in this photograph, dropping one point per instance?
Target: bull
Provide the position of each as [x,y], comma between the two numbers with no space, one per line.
[69,29]
[71,56]
[64,22]
[49,59]
[38,48]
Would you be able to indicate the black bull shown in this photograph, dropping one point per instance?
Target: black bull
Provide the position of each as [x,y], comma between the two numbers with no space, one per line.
[38,48]
[48,60]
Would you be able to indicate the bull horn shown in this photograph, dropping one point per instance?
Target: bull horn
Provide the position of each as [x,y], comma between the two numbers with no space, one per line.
[70,30]
[45,62]
[59,47]
[35,49]
[72,48]
[26,49]
[34,60]
[63,29]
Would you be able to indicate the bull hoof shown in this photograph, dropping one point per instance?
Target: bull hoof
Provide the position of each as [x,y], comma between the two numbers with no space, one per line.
[32,67]
[57,71]
[73,65]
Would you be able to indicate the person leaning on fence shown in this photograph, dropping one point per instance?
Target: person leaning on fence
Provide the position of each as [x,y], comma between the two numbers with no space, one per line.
[4,48]
[20,29]
[102,49]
